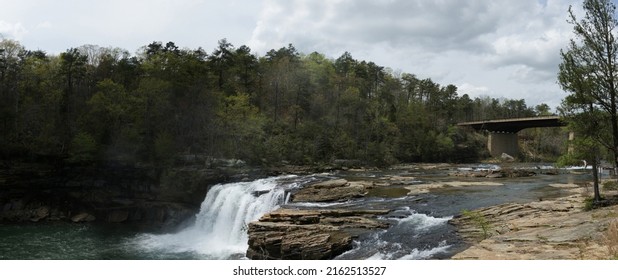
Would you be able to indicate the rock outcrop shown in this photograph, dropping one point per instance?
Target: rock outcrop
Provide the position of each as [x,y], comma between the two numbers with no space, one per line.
[334,190]
[425,188]
[309,234]
[491,173]
[115,193]
[83,217]
[548,229]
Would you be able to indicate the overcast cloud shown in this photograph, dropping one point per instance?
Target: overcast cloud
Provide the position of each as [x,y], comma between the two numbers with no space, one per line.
[498,48]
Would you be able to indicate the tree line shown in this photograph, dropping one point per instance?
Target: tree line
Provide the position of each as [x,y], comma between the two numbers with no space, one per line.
[94,103]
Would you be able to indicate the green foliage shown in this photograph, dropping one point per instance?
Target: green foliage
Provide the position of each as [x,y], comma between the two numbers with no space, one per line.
[93,103]
[589,204]
[164,149]
[479,221]
[83,148]
[588,73]
[567,160]
[610,185]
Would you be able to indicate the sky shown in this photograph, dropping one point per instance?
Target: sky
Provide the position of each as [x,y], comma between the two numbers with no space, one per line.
[497,48]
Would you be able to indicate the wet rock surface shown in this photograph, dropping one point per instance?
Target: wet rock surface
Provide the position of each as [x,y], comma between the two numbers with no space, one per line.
[309,234]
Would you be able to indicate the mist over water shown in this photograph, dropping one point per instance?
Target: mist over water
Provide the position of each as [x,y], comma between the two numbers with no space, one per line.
[219,231]
[220,228]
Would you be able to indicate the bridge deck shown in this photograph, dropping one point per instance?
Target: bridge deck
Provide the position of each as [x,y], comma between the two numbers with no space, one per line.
[515,125]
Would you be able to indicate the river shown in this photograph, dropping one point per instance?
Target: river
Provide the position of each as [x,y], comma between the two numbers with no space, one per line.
[419,223]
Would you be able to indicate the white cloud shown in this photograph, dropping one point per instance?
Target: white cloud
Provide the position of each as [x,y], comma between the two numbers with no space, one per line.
[509,47]
[472,90]
[44,25]
[332,24]
[14,31]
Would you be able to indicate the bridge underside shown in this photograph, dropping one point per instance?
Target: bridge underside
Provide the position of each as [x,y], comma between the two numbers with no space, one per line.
[503,133]
[499,143]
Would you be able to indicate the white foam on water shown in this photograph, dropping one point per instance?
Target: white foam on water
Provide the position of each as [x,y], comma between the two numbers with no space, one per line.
[317,204]
[417,254]
[423,222]
[220,228]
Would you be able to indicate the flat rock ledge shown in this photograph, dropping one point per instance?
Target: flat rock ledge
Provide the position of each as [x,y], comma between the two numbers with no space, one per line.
[549,230]
[426,188]
[502,173]
[291,234]
[333,190]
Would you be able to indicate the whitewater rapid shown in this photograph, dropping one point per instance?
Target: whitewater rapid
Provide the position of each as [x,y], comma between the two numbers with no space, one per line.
[220,228]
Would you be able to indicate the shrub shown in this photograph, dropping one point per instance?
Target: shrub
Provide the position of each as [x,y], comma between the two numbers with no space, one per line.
[589,204]
[568,160]
[479,221]
[610,185]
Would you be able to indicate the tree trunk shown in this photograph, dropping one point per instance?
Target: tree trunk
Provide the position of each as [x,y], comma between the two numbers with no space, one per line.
[276,101]
[595,176]
[614,120]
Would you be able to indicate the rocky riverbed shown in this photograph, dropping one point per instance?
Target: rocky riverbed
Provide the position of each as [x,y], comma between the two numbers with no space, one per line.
[405,212]
[550,229]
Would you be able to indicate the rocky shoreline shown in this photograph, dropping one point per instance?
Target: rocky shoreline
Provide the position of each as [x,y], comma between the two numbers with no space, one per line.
[557,229]
[549,229]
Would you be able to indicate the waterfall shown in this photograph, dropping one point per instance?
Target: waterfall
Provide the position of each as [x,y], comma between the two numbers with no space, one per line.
[219,231]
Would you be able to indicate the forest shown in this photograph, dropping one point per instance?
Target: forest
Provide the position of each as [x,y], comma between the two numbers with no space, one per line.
[95,104]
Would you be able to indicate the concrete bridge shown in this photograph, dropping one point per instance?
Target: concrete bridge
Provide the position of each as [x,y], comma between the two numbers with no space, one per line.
[503,133]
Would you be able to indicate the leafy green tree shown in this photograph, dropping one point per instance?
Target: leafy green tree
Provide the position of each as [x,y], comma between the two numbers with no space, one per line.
[221,61]
[83,148]
[72,71]
[542,110]
[11,54]
[245,69]
[92,103]
[241,124]
[588,70]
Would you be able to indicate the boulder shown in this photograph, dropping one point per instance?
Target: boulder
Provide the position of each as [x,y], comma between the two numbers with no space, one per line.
[309,234]
[40,213]
[117,216]
[83,217]
[507,157]
[334,190]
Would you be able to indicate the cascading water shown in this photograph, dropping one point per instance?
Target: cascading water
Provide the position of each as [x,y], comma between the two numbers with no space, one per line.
[219,231]
[411,237]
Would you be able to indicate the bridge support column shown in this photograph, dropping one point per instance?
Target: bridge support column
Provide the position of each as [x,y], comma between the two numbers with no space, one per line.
[500,142]
[571,148]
